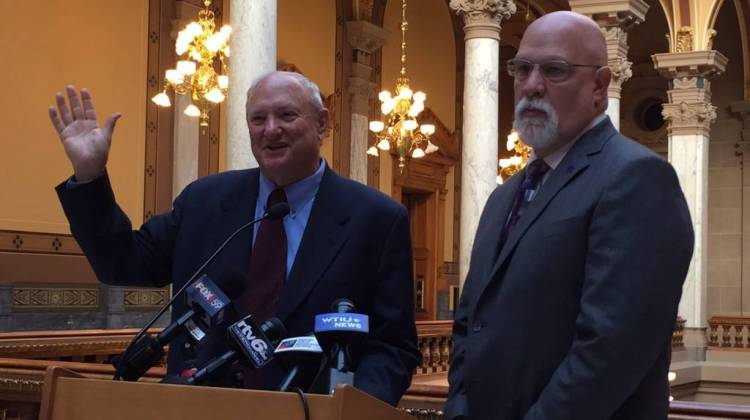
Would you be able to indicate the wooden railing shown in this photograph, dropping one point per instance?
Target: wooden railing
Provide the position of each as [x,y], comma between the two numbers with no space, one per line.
[729,332]
[89,351]
[434,338]
[678,336]
[85,346]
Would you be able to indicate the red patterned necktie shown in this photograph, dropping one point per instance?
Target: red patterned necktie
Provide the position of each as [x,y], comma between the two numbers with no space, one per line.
[267,274]
[534,174]
[266,278]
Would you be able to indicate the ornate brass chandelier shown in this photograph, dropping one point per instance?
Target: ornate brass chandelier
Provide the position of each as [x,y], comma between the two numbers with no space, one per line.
[510,166]
[195,75]
[399,131]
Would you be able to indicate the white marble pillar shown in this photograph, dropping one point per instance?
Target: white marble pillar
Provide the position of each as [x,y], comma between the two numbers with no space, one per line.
[689,114]
[365,38]
[480,114]
[615,18]
[253,53]
[186,129]
[688,153]
[185,149]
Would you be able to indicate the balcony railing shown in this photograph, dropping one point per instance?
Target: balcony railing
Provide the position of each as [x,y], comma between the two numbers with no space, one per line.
[25,355]
[729,332]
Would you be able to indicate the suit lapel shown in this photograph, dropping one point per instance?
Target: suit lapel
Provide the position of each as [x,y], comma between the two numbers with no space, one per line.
[238,208]
[576,160]
[487,242]
[322,240]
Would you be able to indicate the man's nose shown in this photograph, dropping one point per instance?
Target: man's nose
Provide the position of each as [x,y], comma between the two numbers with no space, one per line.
[271,125]
[533,85]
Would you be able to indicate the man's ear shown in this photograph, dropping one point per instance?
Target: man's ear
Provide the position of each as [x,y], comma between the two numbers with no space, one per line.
[602,77]
[324,119]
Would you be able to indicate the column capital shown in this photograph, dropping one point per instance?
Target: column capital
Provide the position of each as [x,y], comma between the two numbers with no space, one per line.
[615,18]
[365,36]
[704,64]
[482,18]
[689,110]
[620,13]
[617,58]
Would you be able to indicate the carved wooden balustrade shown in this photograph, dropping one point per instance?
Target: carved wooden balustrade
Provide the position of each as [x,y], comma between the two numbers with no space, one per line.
[87,346]
[434,338]
[729,332]
[89,351]
[678,334]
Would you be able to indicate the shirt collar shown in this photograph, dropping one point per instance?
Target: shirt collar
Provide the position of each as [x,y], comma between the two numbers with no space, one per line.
[298,193]
[554,159]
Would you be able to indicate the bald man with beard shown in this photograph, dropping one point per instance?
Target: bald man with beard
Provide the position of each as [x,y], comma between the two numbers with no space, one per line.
[577,268]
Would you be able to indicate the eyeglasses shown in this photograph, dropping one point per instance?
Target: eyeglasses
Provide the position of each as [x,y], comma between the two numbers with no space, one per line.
[553,70]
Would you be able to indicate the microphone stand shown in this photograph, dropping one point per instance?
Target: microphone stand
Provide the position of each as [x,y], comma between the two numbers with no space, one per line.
[275,211]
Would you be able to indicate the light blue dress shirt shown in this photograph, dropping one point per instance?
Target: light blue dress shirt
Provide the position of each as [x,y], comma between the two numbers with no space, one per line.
[300,196]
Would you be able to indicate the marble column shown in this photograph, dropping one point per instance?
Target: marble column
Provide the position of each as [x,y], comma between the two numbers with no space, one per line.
[689,114]
[253,54]
[365,38]
[186,136]
[479,148]
[615,18]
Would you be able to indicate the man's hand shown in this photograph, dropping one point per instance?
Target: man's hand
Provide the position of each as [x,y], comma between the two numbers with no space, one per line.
[86,144]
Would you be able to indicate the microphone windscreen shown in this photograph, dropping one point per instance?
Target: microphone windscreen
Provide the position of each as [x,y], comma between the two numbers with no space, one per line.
[343,306]
[274,329]
[278,210]
[232,283]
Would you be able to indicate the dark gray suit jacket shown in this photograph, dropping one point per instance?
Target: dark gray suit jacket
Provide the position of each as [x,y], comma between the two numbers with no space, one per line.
[573,317]
[356,245]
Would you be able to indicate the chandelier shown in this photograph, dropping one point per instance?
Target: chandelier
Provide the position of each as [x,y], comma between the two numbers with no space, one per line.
[195,75]
[512,165]
[399,131]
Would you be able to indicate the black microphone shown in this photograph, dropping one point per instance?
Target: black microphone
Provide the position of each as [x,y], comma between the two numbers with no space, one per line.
[296,354]
[206,303]
[336,332]
[275,211]
[248,341]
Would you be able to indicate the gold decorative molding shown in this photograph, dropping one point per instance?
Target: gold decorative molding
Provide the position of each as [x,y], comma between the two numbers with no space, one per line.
[145,298]
[55,298]
[684,39]
[62,349]
[20,386]
[710,38]
[31,242]
[482,18]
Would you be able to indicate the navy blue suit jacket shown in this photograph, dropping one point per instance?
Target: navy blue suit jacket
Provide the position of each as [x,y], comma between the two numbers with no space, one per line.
[356,245]
[573,318]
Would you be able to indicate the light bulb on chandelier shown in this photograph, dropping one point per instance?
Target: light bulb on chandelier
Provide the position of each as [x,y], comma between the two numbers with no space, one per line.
[194,75]
[400,131]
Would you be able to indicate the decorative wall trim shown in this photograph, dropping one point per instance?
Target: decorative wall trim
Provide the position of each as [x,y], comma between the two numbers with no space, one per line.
[32,242]
[145,298]
[56,298]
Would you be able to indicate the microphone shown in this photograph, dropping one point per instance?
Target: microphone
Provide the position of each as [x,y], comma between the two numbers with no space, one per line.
[275,211]
[336,332]
[294,353]
[248,340]
[206,303]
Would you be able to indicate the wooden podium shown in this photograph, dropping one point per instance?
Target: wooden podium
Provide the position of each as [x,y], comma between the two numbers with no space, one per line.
[67,395]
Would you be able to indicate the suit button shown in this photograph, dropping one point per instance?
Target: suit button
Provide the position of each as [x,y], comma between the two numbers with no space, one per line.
[477,327]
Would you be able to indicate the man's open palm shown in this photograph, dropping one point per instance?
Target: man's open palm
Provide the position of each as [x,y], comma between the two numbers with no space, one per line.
[86,144]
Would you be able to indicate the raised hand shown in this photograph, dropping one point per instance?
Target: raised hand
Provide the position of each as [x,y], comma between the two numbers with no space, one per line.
[86,144]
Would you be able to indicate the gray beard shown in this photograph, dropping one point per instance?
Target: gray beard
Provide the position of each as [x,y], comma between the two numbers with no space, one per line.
[535,132]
